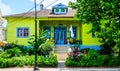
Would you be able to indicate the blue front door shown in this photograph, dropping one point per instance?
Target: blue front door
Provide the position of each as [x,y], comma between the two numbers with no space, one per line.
[60,35]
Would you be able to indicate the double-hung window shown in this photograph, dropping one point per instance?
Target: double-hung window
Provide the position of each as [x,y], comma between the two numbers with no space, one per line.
[22,32]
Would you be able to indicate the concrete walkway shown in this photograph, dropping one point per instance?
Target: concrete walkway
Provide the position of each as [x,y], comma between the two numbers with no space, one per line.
[61,67]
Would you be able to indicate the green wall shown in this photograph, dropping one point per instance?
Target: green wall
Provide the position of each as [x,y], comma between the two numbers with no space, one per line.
[62,23]
[15,22]
[87,38]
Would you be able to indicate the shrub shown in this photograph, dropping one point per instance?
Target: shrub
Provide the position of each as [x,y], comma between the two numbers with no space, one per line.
[14,52]
[9,46]
[85,49]
[17,61]
[12,45]
[27,50]
[28,61]
[47,47]
[103,60]
[47,62]
[93,59]
[4,55]
[69,62]
[115,61]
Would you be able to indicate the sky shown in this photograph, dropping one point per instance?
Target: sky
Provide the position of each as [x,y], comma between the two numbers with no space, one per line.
[9,7]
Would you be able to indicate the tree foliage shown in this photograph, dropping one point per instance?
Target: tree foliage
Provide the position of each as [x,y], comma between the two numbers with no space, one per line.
[104,15]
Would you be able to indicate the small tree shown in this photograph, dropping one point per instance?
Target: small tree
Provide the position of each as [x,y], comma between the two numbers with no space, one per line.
[104,15]
[47,46]
[40,40]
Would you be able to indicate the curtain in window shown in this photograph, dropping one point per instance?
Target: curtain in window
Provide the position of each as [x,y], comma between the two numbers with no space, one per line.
[19,32]
[26,33]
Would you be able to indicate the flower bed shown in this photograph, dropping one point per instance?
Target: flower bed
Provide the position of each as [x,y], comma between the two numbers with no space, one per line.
[93,59]
[13,57]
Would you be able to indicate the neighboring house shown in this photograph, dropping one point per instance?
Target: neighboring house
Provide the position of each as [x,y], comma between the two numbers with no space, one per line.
[57,21]
[3,24]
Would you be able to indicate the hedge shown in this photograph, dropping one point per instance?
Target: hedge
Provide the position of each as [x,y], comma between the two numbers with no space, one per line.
[28,61]
[93,59]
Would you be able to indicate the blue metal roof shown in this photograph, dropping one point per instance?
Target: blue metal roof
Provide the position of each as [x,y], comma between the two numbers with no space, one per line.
[60,5]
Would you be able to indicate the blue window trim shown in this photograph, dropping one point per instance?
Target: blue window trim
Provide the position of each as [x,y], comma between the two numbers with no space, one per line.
[74,30]
[48,30]
[22,32]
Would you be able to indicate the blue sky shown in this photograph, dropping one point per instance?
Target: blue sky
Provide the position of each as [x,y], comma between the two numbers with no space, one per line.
[9,7]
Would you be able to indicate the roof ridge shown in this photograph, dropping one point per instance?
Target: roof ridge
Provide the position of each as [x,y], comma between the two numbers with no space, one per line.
[44,13]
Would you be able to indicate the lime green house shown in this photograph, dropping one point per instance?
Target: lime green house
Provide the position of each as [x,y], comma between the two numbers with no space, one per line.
[58,21]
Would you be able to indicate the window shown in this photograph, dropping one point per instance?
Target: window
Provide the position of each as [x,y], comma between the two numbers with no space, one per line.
[74,31]
[57,10]
[62,10]
[46,28]
[22,32]
[93,34]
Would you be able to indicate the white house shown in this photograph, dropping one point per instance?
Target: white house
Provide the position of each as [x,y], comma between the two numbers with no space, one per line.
[3,25]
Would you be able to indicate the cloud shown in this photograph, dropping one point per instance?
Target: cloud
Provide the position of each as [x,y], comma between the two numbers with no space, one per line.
[6,10]
[46,3]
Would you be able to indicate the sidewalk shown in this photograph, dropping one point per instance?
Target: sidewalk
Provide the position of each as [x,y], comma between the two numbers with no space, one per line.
[61,67]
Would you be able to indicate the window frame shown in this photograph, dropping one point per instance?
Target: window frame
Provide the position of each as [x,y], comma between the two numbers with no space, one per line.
[23,32]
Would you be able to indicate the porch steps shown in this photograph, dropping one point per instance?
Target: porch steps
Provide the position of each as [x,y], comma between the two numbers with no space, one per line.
[61,52]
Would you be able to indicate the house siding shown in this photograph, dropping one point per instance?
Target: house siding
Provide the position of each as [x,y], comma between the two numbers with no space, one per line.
[13,24]
[87,38]
[61,23]
[82,29]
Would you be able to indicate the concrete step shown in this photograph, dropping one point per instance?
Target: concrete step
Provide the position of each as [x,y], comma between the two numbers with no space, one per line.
[62,56]
[61,52]
[61,64]
[61,49]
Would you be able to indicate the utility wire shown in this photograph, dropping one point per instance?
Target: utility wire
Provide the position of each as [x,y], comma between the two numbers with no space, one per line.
[51,3]
[14,20]
[26,12]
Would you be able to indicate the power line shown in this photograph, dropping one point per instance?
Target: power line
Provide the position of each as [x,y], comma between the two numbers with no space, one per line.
[14,20]
[26,12]
[51,3]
